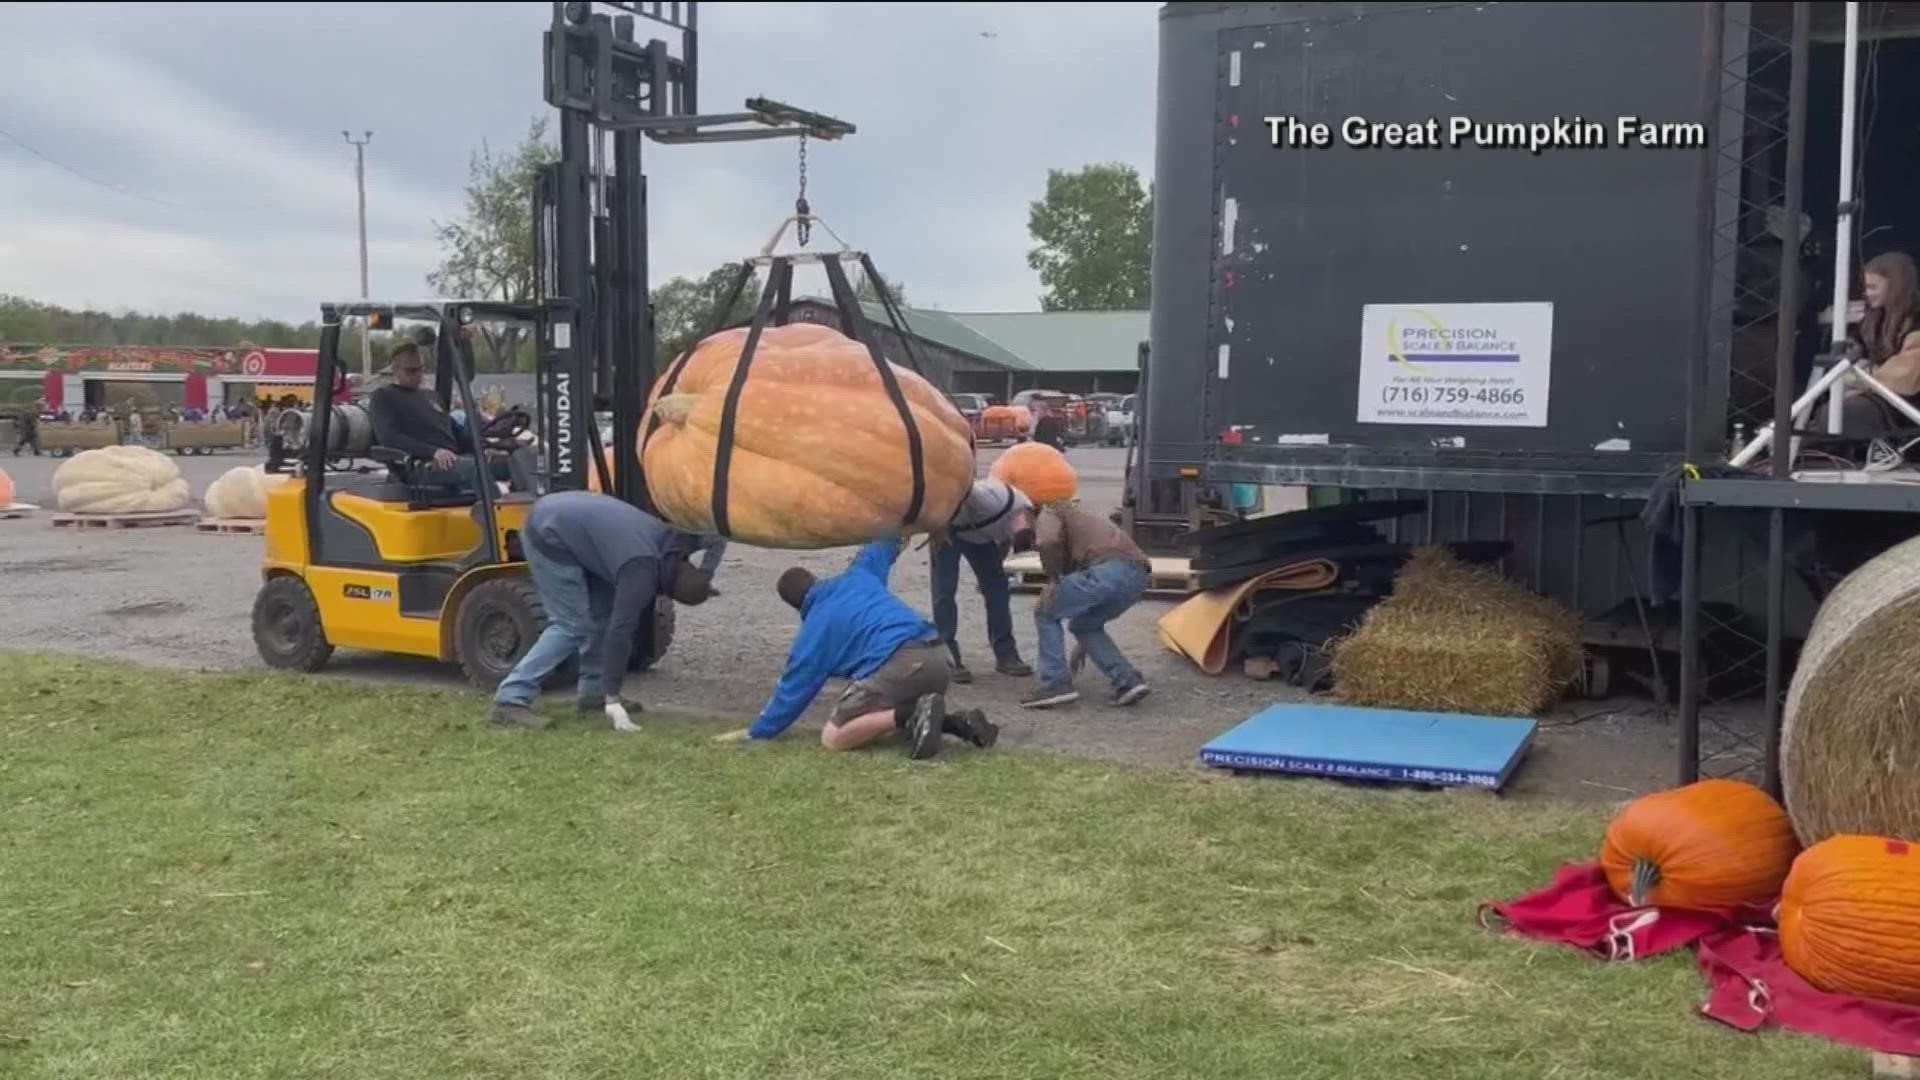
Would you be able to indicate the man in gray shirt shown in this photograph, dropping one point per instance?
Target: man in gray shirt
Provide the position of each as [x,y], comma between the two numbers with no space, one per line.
[599,563]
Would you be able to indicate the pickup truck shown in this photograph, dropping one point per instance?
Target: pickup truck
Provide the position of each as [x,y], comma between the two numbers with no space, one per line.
[1118,410]
[1084,420]
[973,407]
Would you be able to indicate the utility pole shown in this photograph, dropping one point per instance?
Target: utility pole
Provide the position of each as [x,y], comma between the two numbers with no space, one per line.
[360,179]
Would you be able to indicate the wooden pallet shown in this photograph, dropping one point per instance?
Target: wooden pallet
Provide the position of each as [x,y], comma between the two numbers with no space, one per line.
[232,526]
[1171,577]
[124,521]
[17,510]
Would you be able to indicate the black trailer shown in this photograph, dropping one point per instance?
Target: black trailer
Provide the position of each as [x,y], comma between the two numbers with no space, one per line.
[1532,262]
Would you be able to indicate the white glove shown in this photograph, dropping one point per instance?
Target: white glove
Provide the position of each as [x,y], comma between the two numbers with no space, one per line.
[617,713]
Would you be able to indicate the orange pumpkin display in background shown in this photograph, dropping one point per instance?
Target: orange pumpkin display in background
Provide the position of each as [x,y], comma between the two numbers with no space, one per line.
[1005,422]
[6,490]
[1850,917]
[1041,473]
[1712,845]
[820,453]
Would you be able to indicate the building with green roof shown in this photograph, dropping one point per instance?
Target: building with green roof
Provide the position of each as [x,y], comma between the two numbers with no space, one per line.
[1001,353]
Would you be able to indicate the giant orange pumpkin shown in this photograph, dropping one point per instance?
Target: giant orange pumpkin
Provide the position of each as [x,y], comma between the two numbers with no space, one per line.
[820,454]
[1040,472]
[6,490]
[1712,845]
[1850,917]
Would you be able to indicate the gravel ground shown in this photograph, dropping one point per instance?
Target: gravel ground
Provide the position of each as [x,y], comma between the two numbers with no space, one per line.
[173,596]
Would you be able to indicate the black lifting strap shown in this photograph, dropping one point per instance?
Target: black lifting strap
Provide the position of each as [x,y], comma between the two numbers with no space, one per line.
[714,326]
[779,281]
[857,328]
[975,526]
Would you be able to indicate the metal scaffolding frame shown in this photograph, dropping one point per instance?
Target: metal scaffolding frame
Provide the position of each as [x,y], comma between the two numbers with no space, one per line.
[1751,53]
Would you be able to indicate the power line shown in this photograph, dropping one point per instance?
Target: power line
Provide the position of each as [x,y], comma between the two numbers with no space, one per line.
[55,162]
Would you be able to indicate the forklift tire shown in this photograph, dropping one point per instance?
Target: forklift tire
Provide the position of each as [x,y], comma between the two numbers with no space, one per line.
[497,622]
[286,626]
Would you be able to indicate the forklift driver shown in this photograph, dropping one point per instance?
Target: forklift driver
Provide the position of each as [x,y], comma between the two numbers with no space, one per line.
[409,419]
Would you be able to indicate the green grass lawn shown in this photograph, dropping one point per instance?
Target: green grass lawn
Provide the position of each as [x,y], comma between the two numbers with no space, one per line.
[250,876]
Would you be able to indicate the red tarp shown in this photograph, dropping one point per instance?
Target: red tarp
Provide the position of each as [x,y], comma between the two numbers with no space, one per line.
[1738,952]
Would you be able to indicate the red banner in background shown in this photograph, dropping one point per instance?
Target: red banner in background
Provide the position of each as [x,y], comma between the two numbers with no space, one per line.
[284,364]
[53,386]
[133,361]
[194,394]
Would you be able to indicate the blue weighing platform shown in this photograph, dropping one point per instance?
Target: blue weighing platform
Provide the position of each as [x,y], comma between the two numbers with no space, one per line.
[1388,745]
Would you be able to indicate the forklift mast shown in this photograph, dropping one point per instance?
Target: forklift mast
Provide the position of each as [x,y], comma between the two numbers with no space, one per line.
[590,221]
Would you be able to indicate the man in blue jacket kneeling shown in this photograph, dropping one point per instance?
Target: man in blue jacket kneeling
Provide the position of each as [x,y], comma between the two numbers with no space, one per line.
[853,627]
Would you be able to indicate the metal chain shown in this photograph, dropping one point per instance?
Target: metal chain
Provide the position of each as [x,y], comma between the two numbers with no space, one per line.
[803,226]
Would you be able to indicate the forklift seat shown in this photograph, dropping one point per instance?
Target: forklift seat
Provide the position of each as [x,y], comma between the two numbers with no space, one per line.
[399,485]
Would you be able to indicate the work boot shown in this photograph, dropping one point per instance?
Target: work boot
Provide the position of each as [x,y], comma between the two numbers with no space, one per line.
[518,716]
[1014,667]
[924,731]
[973,726]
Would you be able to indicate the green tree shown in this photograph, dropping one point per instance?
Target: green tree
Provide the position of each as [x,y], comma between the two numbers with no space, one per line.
[683,309]
[488,253]
[30,322]
[1093,236]
[866,291]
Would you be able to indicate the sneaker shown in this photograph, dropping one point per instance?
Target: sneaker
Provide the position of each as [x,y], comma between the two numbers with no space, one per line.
[973,726]
[518,716]
[1131,694]
[1048,696]
[925,730]
[961,675]
[1015,668]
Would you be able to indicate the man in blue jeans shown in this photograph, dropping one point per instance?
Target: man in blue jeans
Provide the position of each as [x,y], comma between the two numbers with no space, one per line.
[981,533]
[1095,572]
[599,563]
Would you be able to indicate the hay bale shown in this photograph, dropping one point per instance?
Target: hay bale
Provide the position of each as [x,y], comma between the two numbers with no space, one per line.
[1850,732]
[1458,638]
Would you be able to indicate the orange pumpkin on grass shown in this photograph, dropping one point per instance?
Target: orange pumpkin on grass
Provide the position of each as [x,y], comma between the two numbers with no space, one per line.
[1041,473]
[1712,845]
[820,454]
[1850,917]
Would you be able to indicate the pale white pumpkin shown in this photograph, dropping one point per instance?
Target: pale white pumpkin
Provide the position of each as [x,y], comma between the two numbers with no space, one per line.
[120,480]
[241,492]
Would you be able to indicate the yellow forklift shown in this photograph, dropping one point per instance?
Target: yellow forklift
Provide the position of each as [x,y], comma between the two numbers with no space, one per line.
[392,563]
[389,564]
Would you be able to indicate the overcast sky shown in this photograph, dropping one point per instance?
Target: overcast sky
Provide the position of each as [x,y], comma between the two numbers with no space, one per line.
[177,157]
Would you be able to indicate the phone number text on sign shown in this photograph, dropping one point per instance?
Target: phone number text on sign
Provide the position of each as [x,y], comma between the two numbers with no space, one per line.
[1487,365]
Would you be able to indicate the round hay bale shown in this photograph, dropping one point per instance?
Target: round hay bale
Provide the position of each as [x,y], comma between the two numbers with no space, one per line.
[1850,731]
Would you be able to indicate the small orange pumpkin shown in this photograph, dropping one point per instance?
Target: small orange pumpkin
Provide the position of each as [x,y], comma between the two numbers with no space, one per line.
[6,490]
[1850,917]
[1713,845]
[1040,472]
